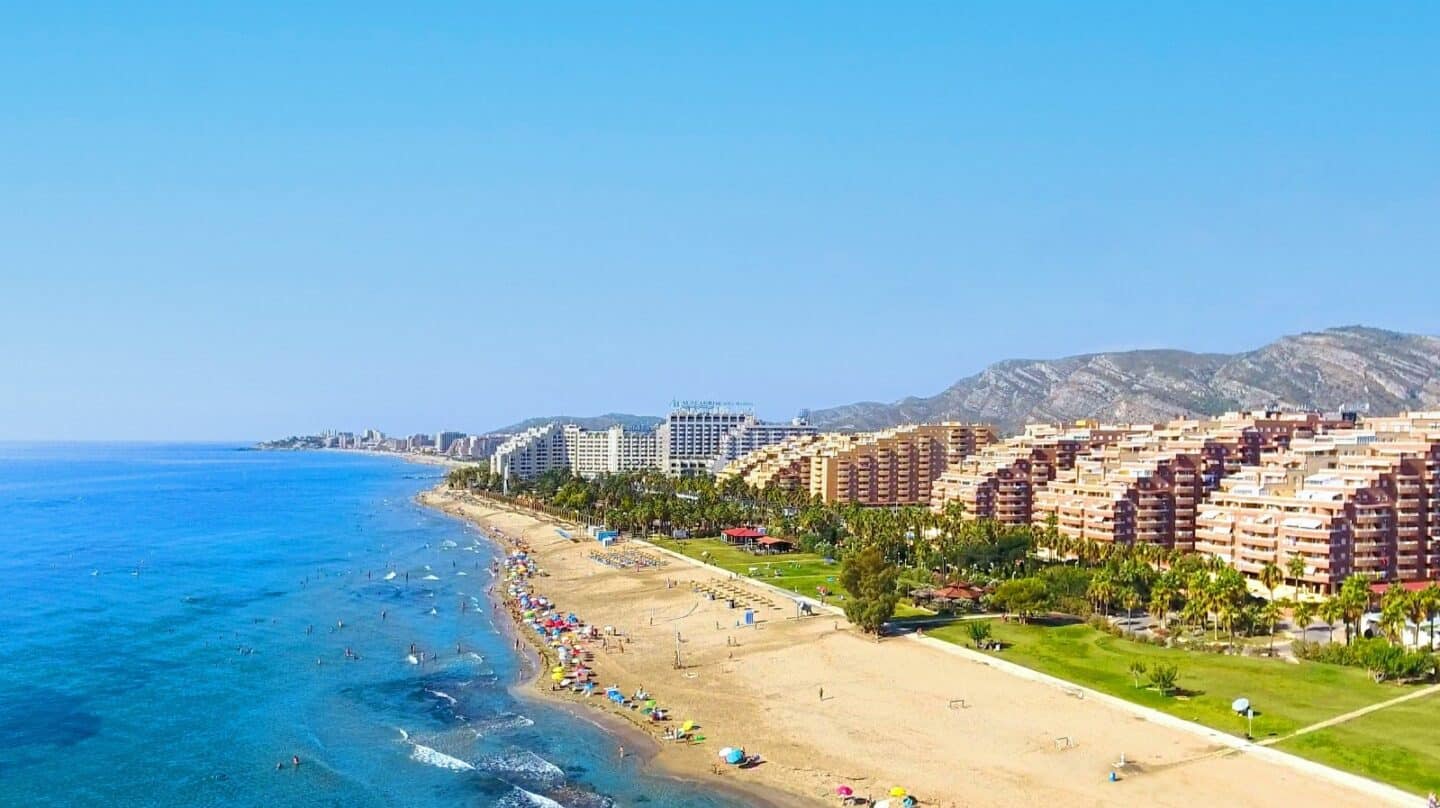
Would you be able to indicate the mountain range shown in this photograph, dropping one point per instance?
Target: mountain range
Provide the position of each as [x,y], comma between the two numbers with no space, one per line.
[1348,368]
[638,423]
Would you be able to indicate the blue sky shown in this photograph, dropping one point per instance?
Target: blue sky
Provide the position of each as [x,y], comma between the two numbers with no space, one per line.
[268,218]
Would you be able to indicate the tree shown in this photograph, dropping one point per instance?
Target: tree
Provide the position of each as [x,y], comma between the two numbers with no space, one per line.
[1416,610]
[1132,601]
[1270,577]
[1021,596]
[979,631]
[1270,615]
[1392,612]
[1354,597]
[1164,678]
[870,581]
[1304,615]
[1295,565]
[1330,611]
[1137,669]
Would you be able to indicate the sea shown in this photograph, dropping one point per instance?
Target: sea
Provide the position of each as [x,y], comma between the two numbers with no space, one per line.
[177,620]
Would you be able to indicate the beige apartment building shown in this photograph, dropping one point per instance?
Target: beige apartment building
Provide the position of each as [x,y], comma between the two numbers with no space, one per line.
[891,467]
[1361,501]
[894,466]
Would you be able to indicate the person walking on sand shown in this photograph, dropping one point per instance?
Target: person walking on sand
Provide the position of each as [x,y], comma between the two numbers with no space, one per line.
[622,753]
[822,693]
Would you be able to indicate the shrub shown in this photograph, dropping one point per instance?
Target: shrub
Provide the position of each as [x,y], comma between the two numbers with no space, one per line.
[1376,655]
[1164,677]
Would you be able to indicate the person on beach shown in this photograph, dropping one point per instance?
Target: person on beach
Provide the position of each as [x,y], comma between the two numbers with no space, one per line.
[295,761]
[822,693]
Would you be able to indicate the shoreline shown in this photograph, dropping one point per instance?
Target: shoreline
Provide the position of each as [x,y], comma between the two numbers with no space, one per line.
[633,737]
[894,724]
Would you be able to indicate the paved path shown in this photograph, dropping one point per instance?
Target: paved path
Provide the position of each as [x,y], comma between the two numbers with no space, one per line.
[1340,719]
[1381,792]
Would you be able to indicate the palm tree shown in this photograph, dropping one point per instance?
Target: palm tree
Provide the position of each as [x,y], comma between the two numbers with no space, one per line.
[1295,565]
[1270,614]
[1354,597]
[1416,610]
[1392,612]
[1304,615]
[1430,595]
[1271,577]
[1330,611]
[1137,669]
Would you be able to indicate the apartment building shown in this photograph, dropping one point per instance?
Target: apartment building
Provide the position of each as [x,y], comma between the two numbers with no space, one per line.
[526,455]
[785,464]
[1000,481]
[702,437]
[609,451]
[1125,494]
[1352,501]
[752,435]
[891,467]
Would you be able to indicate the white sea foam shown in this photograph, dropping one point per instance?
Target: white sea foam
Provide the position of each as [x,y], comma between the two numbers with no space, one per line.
[474,656]
[536,799]
[501,724]
[412,659]
[462,572]
[390,576]
[440,694]
[527,763]
[431,578]
[426,755]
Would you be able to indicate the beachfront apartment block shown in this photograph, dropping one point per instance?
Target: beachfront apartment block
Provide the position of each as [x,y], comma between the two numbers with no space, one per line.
[784,465]
[753,435]
[697,437]
[891,467]
[1359,501]
[588,453]
[1000,480]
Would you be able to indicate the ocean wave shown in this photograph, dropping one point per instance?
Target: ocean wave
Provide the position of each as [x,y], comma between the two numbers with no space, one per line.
[520,797]
[526,763]
[430,757]
[502,723]
[440,694]
[431,578]
[390,576]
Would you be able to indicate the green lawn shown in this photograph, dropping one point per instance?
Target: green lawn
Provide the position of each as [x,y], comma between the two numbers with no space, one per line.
[1285,696]
[1399,745]
[797,572]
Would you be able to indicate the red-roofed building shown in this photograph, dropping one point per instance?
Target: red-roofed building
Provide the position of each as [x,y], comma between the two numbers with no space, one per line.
[742,535]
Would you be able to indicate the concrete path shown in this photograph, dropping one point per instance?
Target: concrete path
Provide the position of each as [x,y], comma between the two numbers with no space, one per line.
[1340,719]
[1382,792]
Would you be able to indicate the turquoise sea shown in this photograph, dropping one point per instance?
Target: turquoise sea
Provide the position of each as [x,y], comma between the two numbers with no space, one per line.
[175,620]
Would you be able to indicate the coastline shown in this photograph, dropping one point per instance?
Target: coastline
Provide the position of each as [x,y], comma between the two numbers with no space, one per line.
[633,735]
[890,725]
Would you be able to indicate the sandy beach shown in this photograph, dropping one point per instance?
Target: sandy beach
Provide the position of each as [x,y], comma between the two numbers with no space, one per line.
[890,712]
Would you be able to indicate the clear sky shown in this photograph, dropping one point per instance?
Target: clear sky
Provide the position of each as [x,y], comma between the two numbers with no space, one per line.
[269,218]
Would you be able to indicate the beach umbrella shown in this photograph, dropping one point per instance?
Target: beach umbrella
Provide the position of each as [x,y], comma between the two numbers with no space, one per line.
[687,726]
[845,791]
[735,756]
[897,791]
